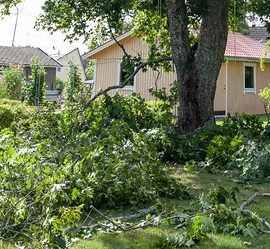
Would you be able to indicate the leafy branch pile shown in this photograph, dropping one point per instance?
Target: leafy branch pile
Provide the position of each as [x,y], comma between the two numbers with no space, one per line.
[56,166]
[240,143]
[217,212]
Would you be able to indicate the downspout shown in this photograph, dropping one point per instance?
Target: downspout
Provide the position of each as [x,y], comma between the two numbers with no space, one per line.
[226,88]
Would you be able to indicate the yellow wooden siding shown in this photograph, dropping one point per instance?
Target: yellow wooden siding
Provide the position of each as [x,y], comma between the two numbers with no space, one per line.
[107,64]
[238,101]
[220,97]
[106,75]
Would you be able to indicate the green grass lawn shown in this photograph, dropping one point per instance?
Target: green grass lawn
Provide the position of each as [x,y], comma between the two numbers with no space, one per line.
[197,184]
[219,121]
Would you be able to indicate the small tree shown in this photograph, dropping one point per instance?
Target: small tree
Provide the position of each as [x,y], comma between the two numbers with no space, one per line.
[12,80]
[74,82]
[35,90]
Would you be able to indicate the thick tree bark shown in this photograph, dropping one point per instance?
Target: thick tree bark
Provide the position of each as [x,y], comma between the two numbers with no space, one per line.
[197,70]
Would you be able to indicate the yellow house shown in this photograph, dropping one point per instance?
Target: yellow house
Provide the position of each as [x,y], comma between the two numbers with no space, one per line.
[239,82]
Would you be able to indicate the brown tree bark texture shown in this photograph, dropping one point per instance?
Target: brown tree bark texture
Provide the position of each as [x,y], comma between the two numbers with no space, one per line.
[197,71]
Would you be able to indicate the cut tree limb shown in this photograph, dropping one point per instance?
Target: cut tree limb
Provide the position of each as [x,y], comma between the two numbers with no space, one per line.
[251,213]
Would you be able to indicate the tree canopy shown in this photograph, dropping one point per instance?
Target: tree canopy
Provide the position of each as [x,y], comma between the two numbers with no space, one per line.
[169,22]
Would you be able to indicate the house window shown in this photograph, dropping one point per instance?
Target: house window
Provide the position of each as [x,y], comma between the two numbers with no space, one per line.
[250,78]
[121,76]
[59,69]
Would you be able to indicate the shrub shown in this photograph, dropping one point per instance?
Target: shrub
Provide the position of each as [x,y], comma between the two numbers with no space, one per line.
[12,81]
[12,111]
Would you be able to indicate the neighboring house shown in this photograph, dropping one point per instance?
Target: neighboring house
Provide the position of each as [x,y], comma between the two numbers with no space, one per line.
[73,56]
[23,55]
[239,82]
[259,34]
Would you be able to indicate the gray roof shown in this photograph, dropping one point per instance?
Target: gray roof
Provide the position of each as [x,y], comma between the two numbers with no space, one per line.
[259,34]
[23,55]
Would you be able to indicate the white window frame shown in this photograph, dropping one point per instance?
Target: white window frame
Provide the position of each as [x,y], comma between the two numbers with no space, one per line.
[59,69]
[249,90]
[131,88]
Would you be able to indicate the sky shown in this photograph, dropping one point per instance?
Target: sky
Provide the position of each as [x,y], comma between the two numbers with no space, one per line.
[27,35]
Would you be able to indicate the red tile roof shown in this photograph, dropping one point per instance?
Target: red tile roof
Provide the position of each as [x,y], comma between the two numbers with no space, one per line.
[244,47]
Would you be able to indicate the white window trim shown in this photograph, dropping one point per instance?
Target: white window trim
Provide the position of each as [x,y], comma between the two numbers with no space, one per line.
[94,78]
[249,90]
[130,88]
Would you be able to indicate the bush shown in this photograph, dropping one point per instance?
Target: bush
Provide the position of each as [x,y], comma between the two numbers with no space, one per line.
[12,81]
[12,111]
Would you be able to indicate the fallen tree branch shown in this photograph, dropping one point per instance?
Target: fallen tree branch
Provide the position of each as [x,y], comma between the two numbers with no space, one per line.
[141,224]
[186,216]
[151,210]
[125,82]
[251,213]
[107,218]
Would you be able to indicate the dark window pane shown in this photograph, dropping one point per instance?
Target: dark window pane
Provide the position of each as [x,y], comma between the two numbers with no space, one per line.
[249,77]
[123,75]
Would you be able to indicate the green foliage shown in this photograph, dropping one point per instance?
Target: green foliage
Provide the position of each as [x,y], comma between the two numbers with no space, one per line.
[239,143]
[253,160]
[262,10]
[12,81]
[221,149]
[74,82]
[59,84]
[265,94]
[89,71]
[250,126]
[35,90]
[170,99]
[66,160]
[12,112]
[221,215]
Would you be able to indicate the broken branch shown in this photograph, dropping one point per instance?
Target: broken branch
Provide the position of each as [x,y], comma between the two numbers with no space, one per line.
[125,82]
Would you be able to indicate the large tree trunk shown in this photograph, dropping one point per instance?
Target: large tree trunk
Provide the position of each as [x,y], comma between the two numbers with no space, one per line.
[197,69]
